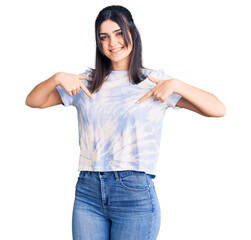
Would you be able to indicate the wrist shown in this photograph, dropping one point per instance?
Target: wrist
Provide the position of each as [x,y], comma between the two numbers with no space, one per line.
[177,85]
[55,79]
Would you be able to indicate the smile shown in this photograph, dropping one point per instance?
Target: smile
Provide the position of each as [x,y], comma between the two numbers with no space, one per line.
[116,50]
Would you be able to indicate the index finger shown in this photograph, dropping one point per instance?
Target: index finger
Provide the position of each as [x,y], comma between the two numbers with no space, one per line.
[149,94]
[84,88]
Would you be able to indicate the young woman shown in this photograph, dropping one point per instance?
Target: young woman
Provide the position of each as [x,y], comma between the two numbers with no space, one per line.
[120,107]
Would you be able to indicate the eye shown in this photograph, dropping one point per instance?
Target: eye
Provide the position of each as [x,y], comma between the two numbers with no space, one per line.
[120,33]
[102,38]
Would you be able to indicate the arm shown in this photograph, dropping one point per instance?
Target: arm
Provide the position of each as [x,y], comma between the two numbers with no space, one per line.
[183,103]
[198,100]
[44,94]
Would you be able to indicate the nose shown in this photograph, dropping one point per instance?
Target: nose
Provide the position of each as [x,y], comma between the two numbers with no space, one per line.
[113,41]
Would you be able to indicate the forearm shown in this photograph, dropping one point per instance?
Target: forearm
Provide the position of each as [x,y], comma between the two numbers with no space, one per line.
[41,92]
[206,102]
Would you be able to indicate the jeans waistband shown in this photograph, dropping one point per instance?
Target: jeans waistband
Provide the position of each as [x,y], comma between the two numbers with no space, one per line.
[116,174]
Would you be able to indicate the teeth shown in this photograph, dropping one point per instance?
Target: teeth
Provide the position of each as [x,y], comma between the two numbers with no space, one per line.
[116,50]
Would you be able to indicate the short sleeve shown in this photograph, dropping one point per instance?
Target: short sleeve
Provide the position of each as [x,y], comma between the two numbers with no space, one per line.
[172,100]
[66,99]
[71,100]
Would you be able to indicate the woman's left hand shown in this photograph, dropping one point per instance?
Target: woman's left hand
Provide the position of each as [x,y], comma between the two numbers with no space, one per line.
[161,91]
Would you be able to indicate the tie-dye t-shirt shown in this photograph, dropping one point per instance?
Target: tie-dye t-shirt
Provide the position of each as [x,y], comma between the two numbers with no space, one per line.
[115,133]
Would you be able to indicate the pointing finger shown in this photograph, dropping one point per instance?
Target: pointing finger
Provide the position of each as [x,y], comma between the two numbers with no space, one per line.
[149,94]
[83,87]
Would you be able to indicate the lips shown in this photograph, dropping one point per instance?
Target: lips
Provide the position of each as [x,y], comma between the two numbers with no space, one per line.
[115,50]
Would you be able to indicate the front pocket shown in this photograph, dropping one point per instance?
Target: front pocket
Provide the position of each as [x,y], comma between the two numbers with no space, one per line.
[82,176]
[135,182]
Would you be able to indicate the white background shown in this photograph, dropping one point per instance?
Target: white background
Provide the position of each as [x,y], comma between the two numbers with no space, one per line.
[203,173]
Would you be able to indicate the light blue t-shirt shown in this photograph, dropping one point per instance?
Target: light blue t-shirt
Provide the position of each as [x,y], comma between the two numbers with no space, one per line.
[116,134]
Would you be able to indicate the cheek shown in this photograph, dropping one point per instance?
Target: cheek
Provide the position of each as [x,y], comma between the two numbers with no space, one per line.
[130,48]
[104,47]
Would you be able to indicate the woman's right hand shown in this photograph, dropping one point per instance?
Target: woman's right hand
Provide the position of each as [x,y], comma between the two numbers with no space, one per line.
[72,83]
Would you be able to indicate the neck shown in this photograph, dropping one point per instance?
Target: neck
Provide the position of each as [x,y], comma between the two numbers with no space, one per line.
[120,66]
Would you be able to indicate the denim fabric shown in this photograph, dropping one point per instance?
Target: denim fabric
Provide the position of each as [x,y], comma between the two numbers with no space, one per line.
[115,205]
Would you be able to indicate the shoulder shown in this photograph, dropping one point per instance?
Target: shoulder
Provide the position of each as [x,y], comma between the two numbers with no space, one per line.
[160,74]
[155,73]
[146,71]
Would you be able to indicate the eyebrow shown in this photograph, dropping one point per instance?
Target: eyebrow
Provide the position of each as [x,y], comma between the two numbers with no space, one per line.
[113,31]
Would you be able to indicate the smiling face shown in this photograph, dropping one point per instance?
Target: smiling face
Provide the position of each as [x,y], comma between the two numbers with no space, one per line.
[113,45]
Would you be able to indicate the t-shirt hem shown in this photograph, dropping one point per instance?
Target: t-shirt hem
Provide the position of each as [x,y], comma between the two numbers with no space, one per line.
[120,169]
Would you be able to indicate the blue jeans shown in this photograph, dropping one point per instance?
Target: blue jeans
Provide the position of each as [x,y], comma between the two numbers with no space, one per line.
[116,205]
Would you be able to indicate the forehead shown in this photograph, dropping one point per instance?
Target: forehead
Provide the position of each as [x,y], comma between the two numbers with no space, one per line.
[108,26]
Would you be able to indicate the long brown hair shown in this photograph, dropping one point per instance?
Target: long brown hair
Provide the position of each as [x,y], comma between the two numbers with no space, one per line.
[123,18]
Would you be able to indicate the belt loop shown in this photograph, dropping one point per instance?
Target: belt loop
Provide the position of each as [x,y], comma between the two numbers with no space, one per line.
[116,175]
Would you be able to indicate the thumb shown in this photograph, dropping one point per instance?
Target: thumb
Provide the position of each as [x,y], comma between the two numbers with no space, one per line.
[152,79]
[81,77]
